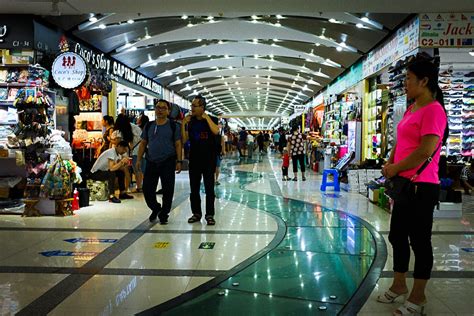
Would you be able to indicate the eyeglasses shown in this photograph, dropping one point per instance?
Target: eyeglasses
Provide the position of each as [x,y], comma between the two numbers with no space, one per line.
[159,108]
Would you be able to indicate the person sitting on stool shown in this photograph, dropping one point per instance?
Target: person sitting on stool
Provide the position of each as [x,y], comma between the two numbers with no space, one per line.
[110,165]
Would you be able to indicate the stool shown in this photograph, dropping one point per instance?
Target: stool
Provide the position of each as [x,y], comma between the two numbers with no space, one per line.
[335,182]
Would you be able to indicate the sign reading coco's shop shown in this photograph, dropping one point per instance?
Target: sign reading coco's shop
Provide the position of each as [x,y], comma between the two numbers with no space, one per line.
[447,30]
[69,70]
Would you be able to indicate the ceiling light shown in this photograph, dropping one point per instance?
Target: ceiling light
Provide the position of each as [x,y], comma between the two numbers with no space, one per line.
[93,19]
[102,26]
[134,48]
[343,44]
[210,17]
[317,44]
[190,24]
[471,53]
[220,42]
[276,40]
[333,20]
[199,40]
[130,21]
[147,36]
[360,25]
[226,56]
[184,17]
[279,16]
[255,40]
[339,48]
[277,24]
[254,17]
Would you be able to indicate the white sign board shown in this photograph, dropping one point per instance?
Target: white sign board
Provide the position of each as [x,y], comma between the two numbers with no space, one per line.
[447,30]
[299,108]
[69,70]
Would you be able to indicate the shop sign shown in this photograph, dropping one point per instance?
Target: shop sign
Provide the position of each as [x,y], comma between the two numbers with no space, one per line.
[404,41]
[299,109]
[69,70]
[116,69]
[446,30]
[351,78]
[16,31]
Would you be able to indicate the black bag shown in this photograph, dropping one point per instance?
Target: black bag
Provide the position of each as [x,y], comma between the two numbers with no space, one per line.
[401,189]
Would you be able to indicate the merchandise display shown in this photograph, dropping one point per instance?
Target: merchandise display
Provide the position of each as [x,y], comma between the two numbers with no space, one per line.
[458,86]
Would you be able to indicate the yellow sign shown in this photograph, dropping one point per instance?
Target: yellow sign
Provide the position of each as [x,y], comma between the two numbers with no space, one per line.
[162,244]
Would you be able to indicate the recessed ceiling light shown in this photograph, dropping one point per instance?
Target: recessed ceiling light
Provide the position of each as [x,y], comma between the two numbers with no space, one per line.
[255,40]
[220,42]
[199,40]
[277,24]
[102,26]
[254,17]
[276,40]
[339,48]
[279,16]
[210,17]
[343,44]
[130,21]
[333,20]
[190,24]
[360,25]
[184,17]
[93,19]
[365,19]
[147,36]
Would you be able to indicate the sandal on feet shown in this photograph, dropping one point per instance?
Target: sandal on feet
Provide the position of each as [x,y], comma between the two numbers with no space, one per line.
[388,297]
[295,179]
[194,219]
[304,179]
[210,220]
[409,308]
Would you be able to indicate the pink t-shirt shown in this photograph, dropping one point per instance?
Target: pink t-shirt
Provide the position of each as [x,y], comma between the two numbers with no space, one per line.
[429,120]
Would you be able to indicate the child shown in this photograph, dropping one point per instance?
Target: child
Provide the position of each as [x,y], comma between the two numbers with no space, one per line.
[285,165]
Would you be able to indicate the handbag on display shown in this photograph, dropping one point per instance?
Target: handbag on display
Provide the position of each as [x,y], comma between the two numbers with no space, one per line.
[401,189]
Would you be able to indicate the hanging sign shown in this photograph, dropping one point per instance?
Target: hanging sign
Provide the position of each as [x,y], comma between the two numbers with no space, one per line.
[447,30]
[69,70]
[299,108]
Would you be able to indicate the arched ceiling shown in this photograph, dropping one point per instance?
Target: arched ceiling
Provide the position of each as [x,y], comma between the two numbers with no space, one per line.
[243,56]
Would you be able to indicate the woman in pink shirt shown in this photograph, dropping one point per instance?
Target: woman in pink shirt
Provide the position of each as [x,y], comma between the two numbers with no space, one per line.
[421,131]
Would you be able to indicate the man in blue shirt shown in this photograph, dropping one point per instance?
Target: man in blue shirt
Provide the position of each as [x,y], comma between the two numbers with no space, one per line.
[201,130]
[161,139]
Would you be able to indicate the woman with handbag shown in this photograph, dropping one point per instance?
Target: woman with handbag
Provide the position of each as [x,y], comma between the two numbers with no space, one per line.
[412,170]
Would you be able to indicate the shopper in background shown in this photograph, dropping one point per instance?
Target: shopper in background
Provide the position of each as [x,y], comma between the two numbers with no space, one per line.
[420,133]
[250,144]
[276,141]
[123,131]
[285,165]
[296,150]
[467,178]
[266,141]
[111,165]
[201,130]
[221,151]
[283,142]
[243,142]
[161,139]
[260,141]
[137,131]
[108,124]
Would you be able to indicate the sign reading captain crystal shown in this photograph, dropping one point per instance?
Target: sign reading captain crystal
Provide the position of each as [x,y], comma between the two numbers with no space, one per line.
[69,70]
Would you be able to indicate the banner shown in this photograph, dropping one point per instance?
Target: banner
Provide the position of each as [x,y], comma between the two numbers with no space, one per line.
[446,30]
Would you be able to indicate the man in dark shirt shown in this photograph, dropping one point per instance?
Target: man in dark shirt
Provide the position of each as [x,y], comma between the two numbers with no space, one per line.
[162,140]
[243,142]
[201,130]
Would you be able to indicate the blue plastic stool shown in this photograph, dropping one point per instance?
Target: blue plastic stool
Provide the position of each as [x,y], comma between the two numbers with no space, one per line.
[335,182]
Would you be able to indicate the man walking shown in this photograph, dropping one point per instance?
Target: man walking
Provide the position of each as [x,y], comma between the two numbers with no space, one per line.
[201,130]
[161,139]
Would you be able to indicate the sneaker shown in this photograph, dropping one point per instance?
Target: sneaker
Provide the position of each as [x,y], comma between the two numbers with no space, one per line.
[193,219]
[218,183]
[163,221]
[446,73]
[469,75]
[444,81]
[471,81]
[114,200]
[125,196]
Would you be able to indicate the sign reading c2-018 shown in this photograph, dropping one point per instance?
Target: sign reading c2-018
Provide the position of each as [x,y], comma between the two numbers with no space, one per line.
[69,70]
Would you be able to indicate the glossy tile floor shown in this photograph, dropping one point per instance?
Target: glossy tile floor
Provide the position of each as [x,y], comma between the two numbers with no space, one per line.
[280,248]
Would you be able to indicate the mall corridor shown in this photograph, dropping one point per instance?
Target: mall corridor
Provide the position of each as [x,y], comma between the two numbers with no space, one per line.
[279,248]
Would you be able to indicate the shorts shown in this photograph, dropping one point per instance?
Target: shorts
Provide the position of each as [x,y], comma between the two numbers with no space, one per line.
[134,162]
[218,161]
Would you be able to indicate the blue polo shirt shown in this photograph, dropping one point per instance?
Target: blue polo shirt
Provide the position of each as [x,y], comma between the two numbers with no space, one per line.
[161,141]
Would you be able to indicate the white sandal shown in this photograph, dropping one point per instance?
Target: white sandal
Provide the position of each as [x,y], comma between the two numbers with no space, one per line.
[409,308]
[388,297]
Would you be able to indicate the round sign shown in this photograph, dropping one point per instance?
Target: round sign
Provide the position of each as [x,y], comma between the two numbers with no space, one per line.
[69,70]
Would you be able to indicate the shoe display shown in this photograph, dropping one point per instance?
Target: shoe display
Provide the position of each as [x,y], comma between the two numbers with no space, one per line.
[469,75]
[444,81]
[470,81]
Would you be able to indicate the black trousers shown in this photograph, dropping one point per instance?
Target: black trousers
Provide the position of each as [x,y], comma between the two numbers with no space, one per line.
[165,172]
[202,170]
[109,176]
[411,224]
[284,170]
[296,159]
